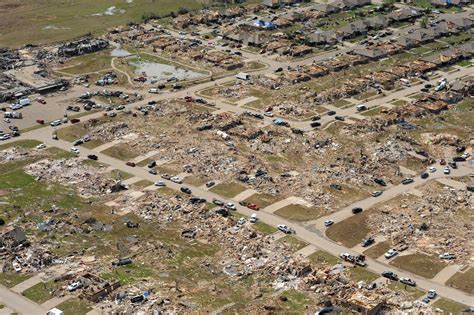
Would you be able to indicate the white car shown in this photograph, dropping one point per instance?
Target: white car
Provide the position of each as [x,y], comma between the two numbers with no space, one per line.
[74,150]
[74,286]
[446,170]
[253,218]
[432,169]
[328,222]
[432,294]
[160,184]
[241,221]
[7,120]
[41,146]
[5,137]
[176,179]
[447,256]
[16,266]
[230,206]
[268,114]
[55,123]
[465,155]
[284,228]
[391,253]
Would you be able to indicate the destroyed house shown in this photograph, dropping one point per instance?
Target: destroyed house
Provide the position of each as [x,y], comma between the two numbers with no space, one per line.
[431,105]
[95,288]
[83,46]
[372,53]
[404,14]
[363,304]
[13,235]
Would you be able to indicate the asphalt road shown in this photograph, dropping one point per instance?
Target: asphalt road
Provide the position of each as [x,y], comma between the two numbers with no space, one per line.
[20,303]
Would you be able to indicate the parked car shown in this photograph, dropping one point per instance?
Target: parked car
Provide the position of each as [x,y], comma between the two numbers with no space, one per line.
[210,184]
[432,169]
[367,242]
[74,286]
[447,256]
[424,175]
[253,218]
[340,118]
[186,190]
[122,262]
[74,150]
[166,176]
[230,206]
[130,163]
[407,181]
[40,121]
[223,212]
[217,202]
[432,294]
[391,253]
[152,171]
[41,146]
[93,157]
[253,206]
[151,164]
[380,181]
[75,120]
[331,113]
[176,179]
[408,281]
[453,165]
[377,193]
[328,222]
[390,275]
[356,210]
[284,229]
[446,170]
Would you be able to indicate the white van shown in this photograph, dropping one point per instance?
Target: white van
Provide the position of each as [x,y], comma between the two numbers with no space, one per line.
[253,218]
[361,107]
[153,91]
[56,122]
[243,76]
[24,101]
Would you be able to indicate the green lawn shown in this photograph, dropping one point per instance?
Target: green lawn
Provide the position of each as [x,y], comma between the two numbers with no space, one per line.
[420,264]
[413,292]
[294,243]
[74,307]
[295,302]
[88,63]
[40,292]
[72,132]
[361,274]
[377,250]
[122,152]
[262,200]
[322,256]
[142,184]
[228,190]
[351,231]
[122,174]
[28,144]
[298,213]
[373,112]
[64,20]
[463,281]
[264,228]
[449,306]
[11,279]
[129,273]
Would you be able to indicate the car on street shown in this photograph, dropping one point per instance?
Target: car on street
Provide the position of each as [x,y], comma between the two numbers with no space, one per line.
[408,281]
[230,206]
[356,210]
[432,294]
[453,165]
[217,202]
[466,155]
[377,193]
[432,169]
[407,181]
[55,123]
[424,175]
[176,179]
[160,183]
[74,150]
[331,113]
[130,163]
[446,170]
[284,229]
[152,171]
[391,253]
[340,118]
[186,190]
[166,176]
[328,222]
[390,275]
[92,157]
[223,212]
[380,181]
[41,146]
[151,164]
[253,218]
[425,300]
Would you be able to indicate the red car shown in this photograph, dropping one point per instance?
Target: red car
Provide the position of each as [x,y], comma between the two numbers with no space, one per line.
[131,164]
[442,162]
[253,206]
[40,121]
[75,120]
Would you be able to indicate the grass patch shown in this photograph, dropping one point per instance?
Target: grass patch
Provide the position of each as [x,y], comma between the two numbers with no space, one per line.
[262,200]
[88,63]
[298,213]
[11,279]
[373,112]
[169,168]
[122,174]
[264,228]
[341,103]
[74,307]
[464,63]
[27,144]
[122,152]
[350,231]
[377,250]
[194,180]
[362,274]
[60,153]
[420,264]
[413,292]
[130,273]
[322,256]
[449,306]
[295,303]
[228,190]
[463,281]
[40,292]
[142,184]
[398,102]
[72,132]
[294,243]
